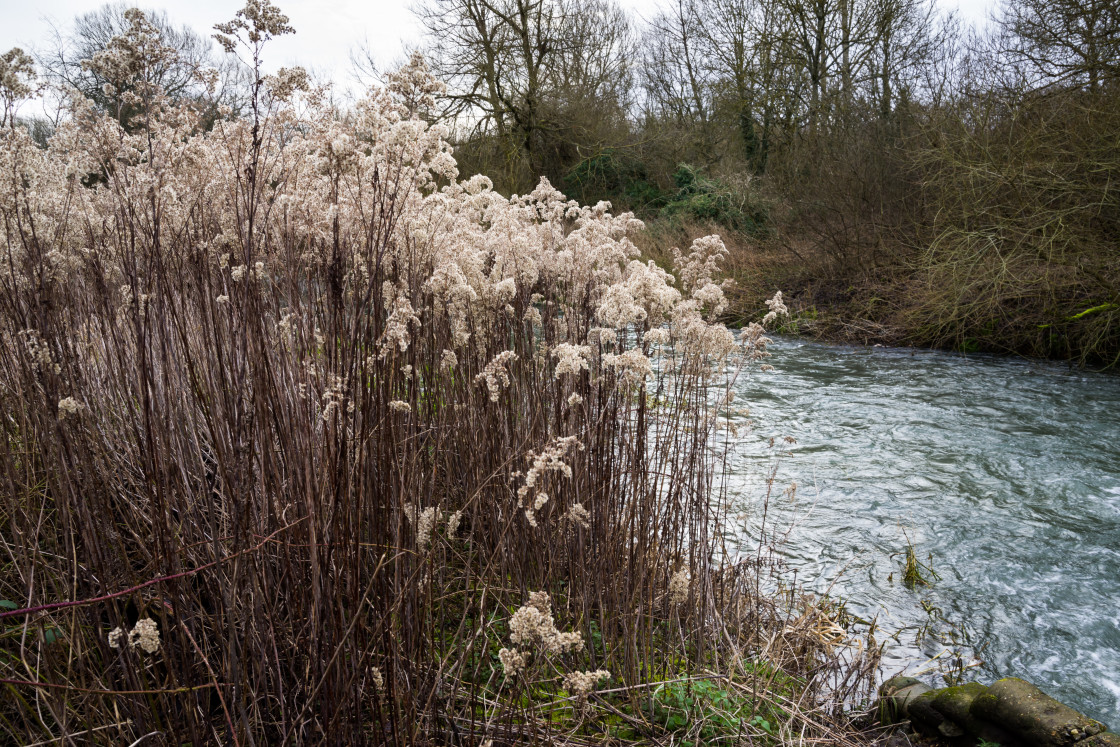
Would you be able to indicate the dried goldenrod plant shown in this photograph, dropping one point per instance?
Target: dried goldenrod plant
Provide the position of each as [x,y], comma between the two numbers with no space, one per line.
[302,417]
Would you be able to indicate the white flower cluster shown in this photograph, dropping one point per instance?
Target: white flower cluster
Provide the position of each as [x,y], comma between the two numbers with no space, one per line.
[578,515]
[144,635]
[534,633]
[513,661]
[396,327]
[571,359]
[453,522]
[286,82]
[468,257]
[287,328]
[777,308]
[69,407]
[705,341]
[581,684]
[40,354]
[423,521]
[424,526]
[644,294]
[415,85]
[495,374]
[334,398]
[755,341]
[698,268]
[532,626]
[633,366]
[659,336]
[126,58]
[550,459]
[17,74]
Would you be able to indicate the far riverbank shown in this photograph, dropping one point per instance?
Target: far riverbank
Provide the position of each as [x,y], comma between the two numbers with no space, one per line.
[897,300]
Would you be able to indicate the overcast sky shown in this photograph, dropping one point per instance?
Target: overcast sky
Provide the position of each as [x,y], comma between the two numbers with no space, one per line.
[326,30]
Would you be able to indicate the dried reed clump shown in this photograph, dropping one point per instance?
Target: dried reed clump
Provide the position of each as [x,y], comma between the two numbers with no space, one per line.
[286,348]
[678,587]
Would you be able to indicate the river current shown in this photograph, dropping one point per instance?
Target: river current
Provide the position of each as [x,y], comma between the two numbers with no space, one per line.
[1005,472]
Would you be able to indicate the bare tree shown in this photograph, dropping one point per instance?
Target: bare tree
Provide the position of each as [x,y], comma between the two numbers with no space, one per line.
[814,25]
[516,69]
[675,80]
[729,33]
[1063,41]
[66,60]
[680,84]
[755,73]
[908,39]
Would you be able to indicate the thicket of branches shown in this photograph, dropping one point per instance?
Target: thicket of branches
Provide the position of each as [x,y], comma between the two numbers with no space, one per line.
[1022,219]
[854,128]
[305,439]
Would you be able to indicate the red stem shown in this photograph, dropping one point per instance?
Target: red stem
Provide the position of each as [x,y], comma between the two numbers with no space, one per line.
[114,595]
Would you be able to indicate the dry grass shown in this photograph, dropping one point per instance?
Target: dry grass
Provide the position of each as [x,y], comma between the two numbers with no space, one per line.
[274,393]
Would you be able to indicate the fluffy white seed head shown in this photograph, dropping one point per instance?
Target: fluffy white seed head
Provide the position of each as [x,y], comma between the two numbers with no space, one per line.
[69,407]
[678,587]
[145,635]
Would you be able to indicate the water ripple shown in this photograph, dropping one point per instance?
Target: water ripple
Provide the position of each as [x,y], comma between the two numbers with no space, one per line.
[1007,472]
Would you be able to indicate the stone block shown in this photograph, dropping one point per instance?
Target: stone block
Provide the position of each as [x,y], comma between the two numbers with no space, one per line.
[1032,715]
[955,703]
[925,718]
[895,696]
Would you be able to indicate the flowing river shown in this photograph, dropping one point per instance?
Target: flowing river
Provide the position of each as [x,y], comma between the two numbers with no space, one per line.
[1006,472]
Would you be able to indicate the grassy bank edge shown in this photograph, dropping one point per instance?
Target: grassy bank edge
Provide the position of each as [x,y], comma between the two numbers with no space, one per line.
[900,299]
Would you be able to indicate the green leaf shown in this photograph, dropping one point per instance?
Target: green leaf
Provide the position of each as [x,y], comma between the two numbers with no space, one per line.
[761,723]
[8,604]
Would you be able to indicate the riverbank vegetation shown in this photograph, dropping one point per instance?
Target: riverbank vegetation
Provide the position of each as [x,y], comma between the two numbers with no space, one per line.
[904,178]
[306,439]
